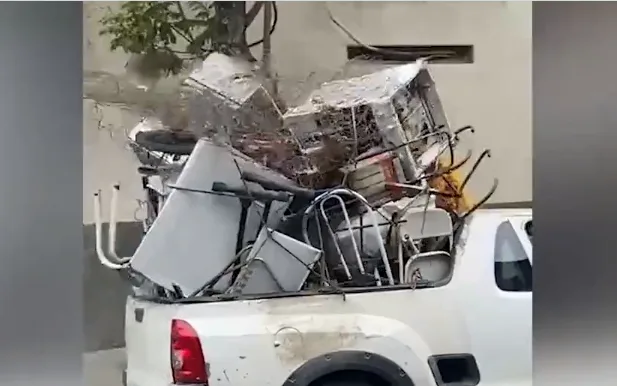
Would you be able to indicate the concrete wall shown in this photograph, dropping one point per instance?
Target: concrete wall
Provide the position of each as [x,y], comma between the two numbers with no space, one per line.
[493,94]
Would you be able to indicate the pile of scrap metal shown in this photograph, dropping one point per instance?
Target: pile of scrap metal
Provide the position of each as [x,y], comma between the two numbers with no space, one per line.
[352,189]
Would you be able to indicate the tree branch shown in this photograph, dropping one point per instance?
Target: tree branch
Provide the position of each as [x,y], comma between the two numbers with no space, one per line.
[265,56]
[252,13]
[183,16]
[189,38]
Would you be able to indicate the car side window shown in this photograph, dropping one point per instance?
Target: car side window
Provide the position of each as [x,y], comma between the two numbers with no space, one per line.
[513,270]
[529,230]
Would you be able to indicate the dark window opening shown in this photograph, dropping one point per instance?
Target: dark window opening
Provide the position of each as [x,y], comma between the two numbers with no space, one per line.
[513,269]
[514,276]
[453,54]
[529,230]
[455,369]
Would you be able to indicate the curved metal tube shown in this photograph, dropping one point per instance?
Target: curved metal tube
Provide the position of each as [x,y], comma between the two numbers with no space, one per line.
[305,217]
[463,129]
[483,201]
[98,226]
[333,236]
[399,255]
[484,154]
[305,234]
[372,218]
[453,167]
[113,225]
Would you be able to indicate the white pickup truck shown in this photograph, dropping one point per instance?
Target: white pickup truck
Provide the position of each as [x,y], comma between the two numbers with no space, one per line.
[472,329]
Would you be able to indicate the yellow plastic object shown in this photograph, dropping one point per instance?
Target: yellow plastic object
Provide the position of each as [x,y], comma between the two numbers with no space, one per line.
[450,183]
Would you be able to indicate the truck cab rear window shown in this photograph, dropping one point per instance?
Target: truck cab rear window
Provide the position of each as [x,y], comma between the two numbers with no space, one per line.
[513,270]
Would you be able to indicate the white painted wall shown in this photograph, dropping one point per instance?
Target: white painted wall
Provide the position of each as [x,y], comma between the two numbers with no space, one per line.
[105,157]
[493,94]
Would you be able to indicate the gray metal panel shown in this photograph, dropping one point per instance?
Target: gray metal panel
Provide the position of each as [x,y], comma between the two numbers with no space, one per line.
[194,236]
[279,263]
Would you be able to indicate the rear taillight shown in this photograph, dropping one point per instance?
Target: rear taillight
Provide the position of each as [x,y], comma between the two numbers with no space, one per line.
[188,364]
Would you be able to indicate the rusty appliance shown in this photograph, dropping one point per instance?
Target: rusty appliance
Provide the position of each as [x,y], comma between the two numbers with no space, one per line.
[371,177]
[391,108]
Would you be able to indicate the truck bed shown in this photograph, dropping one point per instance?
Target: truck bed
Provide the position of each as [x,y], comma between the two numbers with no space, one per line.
[242,338]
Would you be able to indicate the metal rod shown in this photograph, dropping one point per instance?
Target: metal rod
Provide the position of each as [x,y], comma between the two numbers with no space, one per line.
[98,226]
[401,263]
[113,223]
[372,218]
[349,227]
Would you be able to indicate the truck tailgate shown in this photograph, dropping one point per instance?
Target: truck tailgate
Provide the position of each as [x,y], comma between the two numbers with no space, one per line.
[147,335]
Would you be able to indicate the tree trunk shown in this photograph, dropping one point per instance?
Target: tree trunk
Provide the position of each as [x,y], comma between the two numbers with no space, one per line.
[231,29]
[266,57]
[267,44]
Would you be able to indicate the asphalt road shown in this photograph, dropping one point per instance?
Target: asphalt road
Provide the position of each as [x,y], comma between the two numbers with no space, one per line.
[104,368]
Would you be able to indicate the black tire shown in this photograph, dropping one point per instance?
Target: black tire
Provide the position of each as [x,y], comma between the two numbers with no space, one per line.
[351,378]
[349,368]
[347,383]
[166,141]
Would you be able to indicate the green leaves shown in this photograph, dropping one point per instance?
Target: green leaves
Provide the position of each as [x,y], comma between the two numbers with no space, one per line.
[202,10]
[161,31]
[201,40]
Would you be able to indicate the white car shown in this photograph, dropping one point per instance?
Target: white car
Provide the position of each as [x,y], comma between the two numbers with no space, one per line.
[473,329]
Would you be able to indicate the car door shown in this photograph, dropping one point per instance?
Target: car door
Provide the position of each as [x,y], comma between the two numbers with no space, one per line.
[500,313]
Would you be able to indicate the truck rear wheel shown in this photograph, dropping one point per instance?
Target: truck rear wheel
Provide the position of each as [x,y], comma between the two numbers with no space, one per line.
[349,368]
[350,378]
[350,383]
